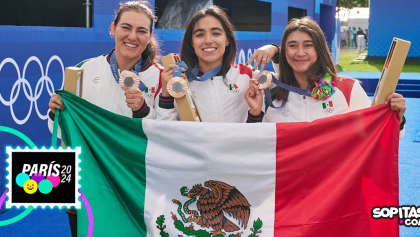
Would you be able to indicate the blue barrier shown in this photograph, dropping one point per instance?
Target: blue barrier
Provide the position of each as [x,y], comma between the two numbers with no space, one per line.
[408,84]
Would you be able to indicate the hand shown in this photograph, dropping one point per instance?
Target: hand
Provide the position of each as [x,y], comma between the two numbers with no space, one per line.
[56,103]
[397,103]
[253,97]
[134,98]
[167,75]
[263,56]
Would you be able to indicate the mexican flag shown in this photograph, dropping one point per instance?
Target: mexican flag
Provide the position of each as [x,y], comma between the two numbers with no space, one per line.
[163,178]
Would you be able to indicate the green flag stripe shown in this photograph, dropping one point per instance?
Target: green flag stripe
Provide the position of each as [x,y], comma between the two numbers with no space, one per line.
[116,193]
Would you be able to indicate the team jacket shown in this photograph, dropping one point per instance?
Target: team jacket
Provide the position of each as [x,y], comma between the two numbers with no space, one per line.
[348,96]
[217,99]
[301,108]
[101,88]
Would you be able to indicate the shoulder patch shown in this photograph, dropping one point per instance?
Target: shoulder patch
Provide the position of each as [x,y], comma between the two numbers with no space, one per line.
[243,69]
[345,84]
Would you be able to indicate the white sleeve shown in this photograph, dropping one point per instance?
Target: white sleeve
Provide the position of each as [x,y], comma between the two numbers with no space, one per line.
[152,103]
[166,114]
[152,113]
[358,98]
[276,68]
[276,75]
[402,132]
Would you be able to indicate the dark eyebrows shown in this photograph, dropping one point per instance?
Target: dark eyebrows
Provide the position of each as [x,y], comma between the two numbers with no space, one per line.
[212,29]
[138,28]
[216,28]
[197,30]
[294,41]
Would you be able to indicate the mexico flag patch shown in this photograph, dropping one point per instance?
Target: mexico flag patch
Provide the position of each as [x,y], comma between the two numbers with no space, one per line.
[328,107]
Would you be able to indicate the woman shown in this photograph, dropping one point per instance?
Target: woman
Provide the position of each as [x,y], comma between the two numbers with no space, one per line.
[135,49]
[304,61]
[209,49]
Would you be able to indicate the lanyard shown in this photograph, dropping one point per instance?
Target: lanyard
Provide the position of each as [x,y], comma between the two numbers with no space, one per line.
[300,91]
[192,75]
[114,69]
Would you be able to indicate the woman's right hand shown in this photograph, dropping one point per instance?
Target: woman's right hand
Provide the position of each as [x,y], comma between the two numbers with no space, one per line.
[56,103]
[253,97]
[166,75]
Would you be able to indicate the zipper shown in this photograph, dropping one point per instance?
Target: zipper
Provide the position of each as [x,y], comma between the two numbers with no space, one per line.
[216,98]
[305,108]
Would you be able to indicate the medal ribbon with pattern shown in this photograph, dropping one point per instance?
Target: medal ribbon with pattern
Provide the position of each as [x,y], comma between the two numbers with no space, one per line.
[114,69]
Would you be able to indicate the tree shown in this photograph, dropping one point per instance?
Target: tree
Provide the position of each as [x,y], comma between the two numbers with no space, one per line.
[349,4]
[352,3]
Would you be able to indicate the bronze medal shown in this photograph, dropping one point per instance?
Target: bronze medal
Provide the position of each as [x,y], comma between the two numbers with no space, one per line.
[129,79]
[264,79]
[177,87]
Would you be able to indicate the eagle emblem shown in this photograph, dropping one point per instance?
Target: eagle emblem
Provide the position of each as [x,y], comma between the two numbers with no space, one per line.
[215,200]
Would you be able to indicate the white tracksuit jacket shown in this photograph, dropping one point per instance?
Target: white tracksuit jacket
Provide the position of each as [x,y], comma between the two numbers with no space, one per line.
[218,100]
[101,88]
[299,108]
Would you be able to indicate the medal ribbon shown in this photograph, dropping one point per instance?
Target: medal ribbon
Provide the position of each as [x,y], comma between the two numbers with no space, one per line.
[300,91]
[192,75]
[114,69]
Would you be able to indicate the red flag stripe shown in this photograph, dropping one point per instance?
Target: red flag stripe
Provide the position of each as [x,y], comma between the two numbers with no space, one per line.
[347,166]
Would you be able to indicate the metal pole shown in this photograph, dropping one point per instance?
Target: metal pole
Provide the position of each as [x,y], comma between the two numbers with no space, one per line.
[88,4]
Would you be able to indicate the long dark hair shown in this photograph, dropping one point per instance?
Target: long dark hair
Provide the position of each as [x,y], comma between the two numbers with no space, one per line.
[152,49]
[188,54]
[322,65]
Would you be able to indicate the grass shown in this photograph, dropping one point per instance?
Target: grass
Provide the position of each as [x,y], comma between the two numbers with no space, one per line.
[347,64]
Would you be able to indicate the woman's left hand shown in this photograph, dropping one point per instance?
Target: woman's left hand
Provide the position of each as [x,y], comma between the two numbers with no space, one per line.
[263,56]
[134,98]
[397,103]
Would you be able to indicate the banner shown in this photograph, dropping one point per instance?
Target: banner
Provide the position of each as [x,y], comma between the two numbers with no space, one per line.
[164,178]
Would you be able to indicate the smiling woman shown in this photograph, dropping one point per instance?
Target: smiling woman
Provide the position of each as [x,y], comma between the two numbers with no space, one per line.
[132,35]
[315,90]
[135,51]
[209,42]
[209,48]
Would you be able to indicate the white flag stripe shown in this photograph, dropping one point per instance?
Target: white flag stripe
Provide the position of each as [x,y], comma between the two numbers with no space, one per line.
[242,156]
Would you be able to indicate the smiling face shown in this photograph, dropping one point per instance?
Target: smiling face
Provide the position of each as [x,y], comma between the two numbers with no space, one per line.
[30,186]
[132,34]
[209,41]
[300,52]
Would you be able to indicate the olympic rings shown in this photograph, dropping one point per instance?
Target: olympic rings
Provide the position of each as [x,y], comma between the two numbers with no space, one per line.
[31,96]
